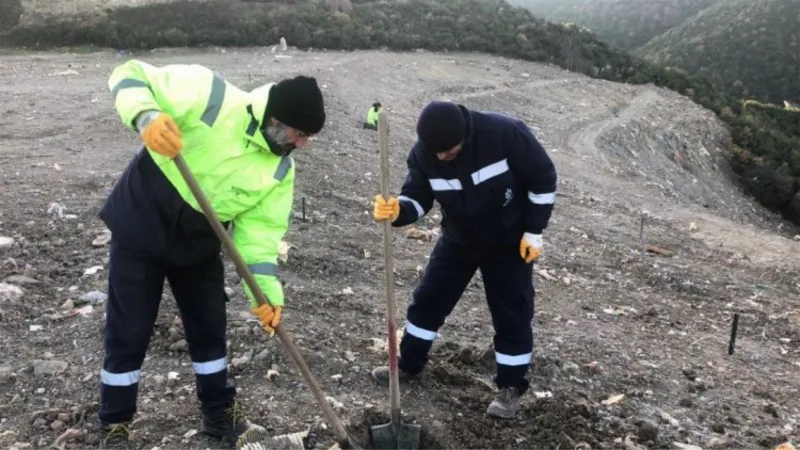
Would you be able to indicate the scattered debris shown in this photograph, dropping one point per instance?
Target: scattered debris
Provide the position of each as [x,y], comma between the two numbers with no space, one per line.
[6,242]
[614,399]
[9,292]
[103,239]
[658,250]
[422,235]
[49,367]
[92,270]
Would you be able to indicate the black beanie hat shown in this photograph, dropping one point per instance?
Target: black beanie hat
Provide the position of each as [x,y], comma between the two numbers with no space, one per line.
[297,102]
[441,126]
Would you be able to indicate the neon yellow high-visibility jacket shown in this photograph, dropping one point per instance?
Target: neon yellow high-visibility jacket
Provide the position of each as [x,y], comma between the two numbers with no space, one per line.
[372,116]
[222,144]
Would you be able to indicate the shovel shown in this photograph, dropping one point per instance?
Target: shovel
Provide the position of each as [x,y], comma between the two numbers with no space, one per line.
[342,439]
[392,435]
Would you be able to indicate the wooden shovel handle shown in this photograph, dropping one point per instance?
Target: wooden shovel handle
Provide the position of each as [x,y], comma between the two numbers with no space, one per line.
[391,311]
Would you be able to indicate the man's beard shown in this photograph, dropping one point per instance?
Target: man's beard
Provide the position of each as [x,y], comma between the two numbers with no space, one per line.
[276,135]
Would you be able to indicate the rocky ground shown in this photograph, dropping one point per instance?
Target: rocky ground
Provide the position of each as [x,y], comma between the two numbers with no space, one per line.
[650,253]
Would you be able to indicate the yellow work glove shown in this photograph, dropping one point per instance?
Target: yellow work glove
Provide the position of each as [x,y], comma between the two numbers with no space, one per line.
[268,316]
[530,247]
[162,136]
[386,209]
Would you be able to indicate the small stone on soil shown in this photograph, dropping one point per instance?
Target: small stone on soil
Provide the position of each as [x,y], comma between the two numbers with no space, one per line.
[9,292]
[94,297]
[6,242]
[49,367]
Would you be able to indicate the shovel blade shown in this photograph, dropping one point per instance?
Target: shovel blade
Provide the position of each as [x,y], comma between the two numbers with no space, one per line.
[384,437]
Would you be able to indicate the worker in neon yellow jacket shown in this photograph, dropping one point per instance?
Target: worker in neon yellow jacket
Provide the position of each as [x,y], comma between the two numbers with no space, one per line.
[238,146]
[371,122]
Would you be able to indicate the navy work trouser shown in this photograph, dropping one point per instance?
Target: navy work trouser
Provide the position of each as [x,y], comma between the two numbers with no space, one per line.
[156,236]
[508,283]
[135,287]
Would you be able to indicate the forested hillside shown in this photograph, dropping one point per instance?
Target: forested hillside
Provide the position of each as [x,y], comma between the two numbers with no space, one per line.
[750,46]
[628,24]
[768,145]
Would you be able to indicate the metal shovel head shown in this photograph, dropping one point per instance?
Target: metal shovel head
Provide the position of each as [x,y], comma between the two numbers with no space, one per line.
[406,436]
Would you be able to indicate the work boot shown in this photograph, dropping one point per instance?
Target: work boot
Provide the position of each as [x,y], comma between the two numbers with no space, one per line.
[230,425]
[115,436]
[381,375]
[505,404]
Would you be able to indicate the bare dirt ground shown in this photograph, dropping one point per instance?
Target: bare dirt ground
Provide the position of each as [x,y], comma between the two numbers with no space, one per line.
[611,318]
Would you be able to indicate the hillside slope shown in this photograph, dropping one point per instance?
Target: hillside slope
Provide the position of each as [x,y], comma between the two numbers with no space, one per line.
[638,166]
[751,46]
[627,24]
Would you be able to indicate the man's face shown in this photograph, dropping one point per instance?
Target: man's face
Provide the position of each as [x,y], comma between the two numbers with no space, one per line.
[451,154]
[283,138]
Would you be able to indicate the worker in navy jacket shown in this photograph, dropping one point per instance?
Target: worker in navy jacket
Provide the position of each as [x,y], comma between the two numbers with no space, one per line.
[496,186]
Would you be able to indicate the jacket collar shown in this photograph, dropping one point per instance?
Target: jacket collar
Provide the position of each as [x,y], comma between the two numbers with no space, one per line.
[259,97]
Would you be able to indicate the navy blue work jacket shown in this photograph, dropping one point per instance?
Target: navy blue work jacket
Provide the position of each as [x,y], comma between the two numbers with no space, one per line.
[501,185]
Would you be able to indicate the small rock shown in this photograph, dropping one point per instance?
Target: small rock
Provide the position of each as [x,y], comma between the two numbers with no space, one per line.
[180,346]
[189,434]
[64,417]
[681,446]
[571,367]
[335,404]
[230,292]
[337,378]
[94,297]
[40,391]
[9,292]
[6,242]
[690,374]
[159,379]
[648,431]
[57,425]
[265,358]
[20,279]
[718,428]
[240,361]
[716,442]
[686,402]
[102,240]
[670,420]
[39,423]
[68,305]
[350,356]
[49,367]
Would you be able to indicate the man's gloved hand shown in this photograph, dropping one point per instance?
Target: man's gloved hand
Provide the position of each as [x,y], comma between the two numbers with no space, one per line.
[530,247]
[386,209]
[268,316]
[161,134]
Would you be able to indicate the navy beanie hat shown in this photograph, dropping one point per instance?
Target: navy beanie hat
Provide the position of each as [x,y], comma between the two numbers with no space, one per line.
[441,126]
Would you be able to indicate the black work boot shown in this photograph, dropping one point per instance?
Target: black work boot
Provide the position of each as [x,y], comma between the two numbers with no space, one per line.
[381,375]
[505,404]
[230,425]
[115,436]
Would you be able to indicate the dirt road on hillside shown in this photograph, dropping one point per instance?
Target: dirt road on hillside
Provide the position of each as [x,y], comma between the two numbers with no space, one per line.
[611,319]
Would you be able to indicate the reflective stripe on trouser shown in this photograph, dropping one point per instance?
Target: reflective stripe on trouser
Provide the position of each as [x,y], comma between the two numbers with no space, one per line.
[508,283]
[135,288]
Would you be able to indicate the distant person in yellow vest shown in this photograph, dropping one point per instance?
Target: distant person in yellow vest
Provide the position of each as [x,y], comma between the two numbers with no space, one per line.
[372,116]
